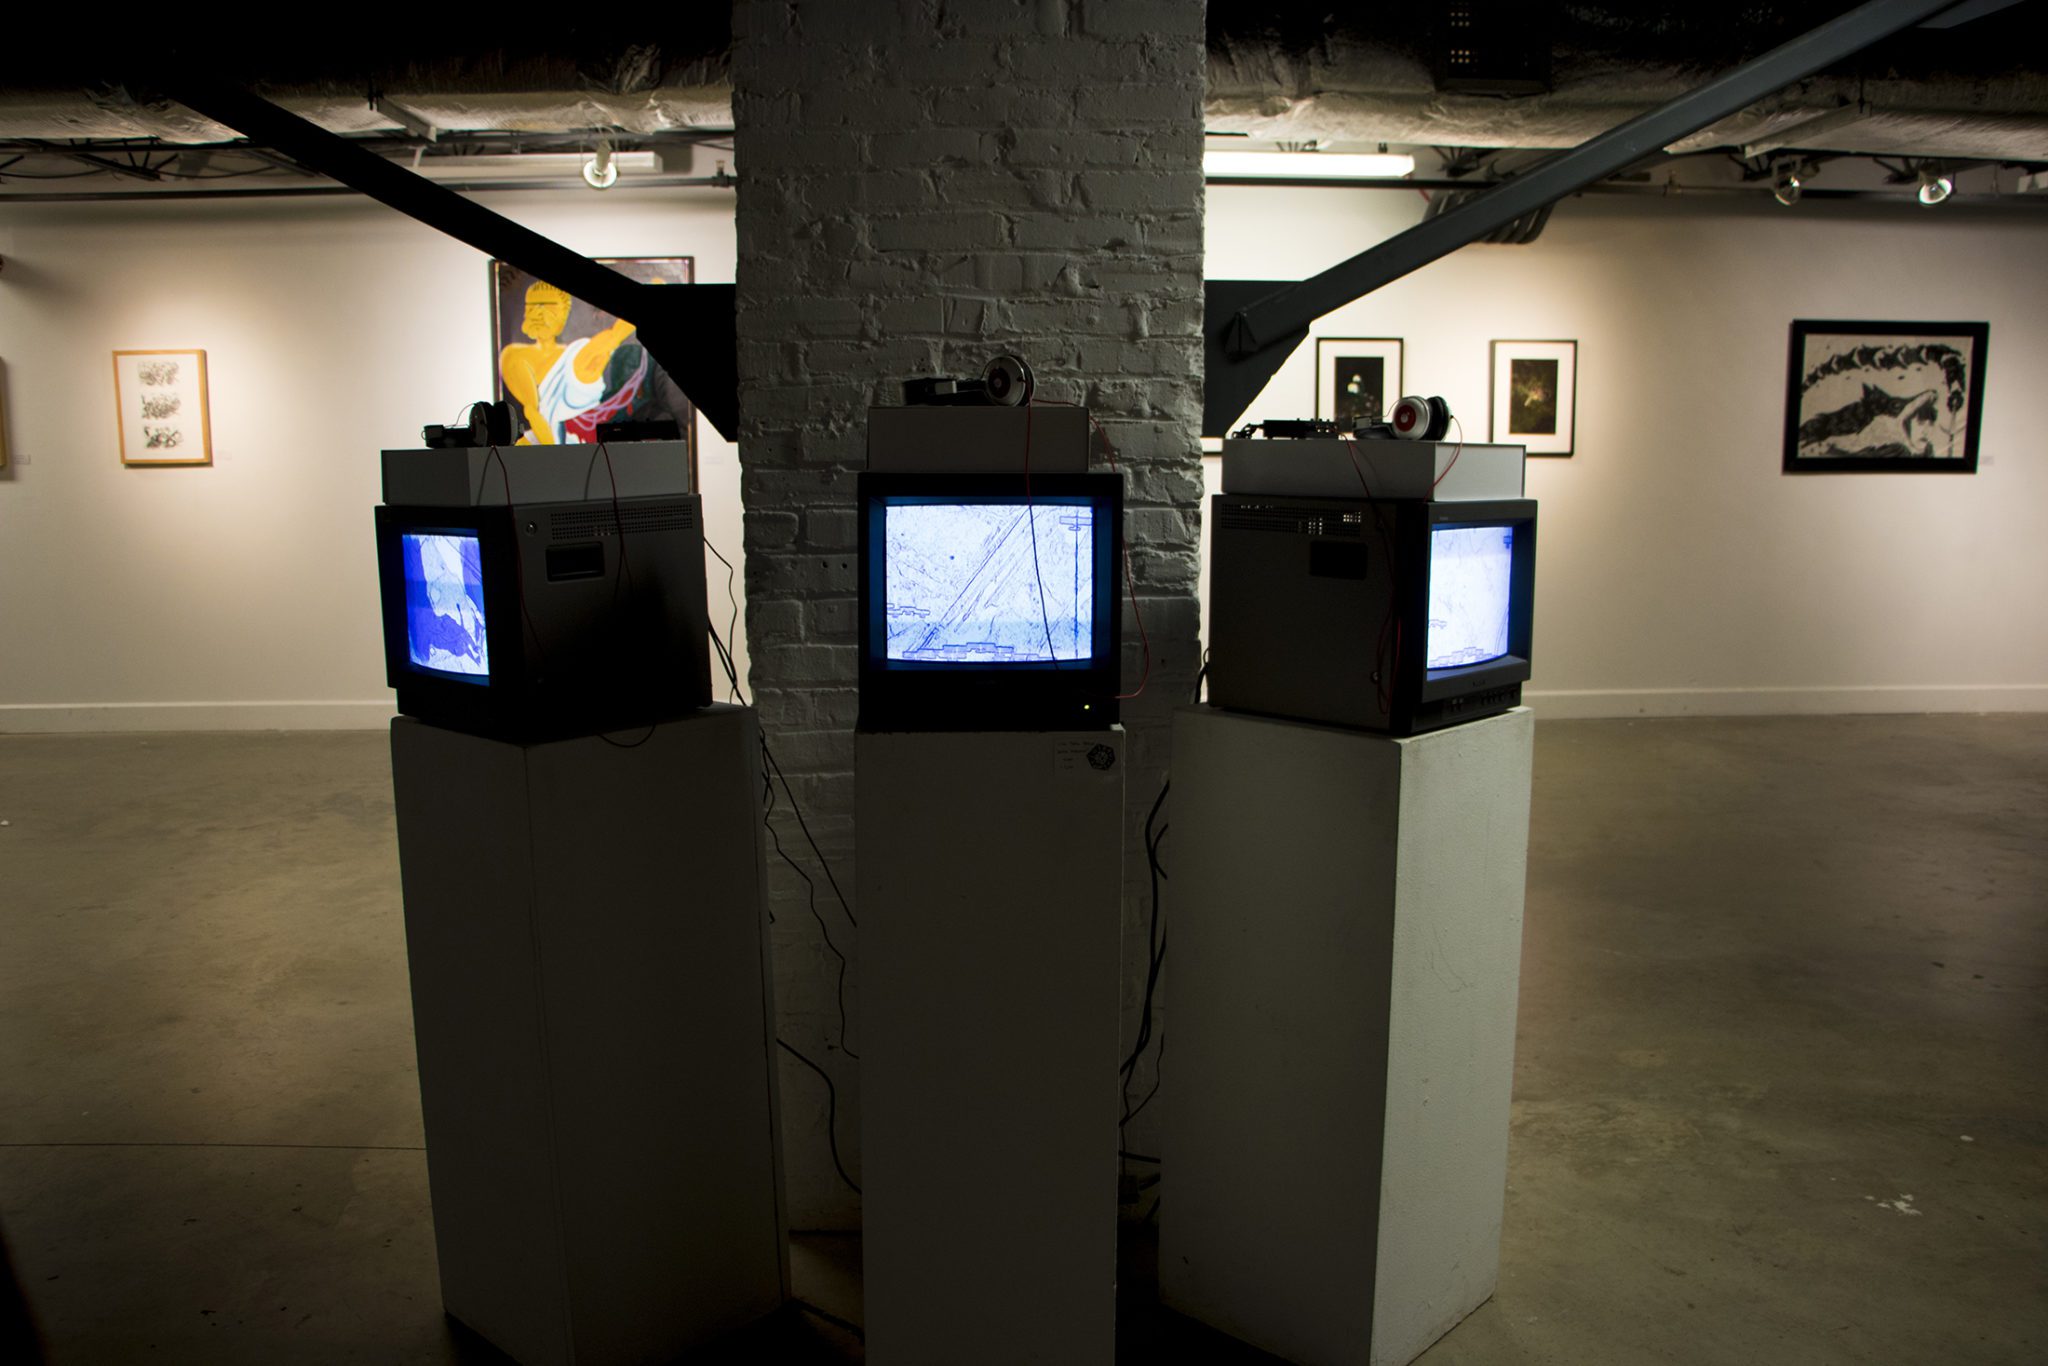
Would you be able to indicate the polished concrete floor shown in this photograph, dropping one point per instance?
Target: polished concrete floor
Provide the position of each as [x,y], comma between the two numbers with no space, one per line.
[1781,1091]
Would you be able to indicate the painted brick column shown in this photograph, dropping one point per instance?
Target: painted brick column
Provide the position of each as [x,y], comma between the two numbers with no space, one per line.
[924,185]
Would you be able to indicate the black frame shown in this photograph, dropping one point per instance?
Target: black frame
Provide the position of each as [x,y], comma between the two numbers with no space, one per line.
[901,695]
[1978,333]
[1424,698]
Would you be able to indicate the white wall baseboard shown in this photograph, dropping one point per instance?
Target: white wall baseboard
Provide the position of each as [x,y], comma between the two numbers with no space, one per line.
[45,718]
[1586,704]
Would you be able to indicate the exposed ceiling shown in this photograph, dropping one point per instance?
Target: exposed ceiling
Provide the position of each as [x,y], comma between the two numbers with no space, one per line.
[1514,75]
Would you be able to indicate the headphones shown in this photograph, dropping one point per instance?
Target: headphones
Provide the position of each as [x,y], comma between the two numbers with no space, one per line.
[1420,419]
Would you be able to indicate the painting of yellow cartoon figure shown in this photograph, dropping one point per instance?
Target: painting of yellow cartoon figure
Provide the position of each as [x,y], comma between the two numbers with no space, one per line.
[565,367]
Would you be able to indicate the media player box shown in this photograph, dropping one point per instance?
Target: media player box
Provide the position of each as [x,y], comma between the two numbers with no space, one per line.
[472,476]
[967,439]
[1442,471]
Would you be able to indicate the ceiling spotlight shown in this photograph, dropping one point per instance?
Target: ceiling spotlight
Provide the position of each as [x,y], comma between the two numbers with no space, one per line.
[1785,188]
[599,172]
[1935,188]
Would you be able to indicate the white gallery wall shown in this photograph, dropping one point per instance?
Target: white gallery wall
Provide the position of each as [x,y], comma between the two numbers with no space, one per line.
[245,594]
[1679,571]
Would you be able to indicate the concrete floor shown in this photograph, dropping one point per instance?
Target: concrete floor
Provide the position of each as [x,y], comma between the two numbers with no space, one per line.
[1781,1092]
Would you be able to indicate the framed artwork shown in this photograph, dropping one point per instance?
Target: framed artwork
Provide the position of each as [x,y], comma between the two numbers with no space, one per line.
[1535,395]
[1862,397]
[566,366]
[161,400]
[1357,377]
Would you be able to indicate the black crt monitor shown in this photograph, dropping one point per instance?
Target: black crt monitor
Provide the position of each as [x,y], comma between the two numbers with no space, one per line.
[540,621]
[1402,616]
[988,602]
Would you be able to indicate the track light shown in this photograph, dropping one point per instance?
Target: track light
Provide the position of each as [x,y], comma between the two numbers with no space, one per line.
[1935,188]
[1785,189]
[599,172]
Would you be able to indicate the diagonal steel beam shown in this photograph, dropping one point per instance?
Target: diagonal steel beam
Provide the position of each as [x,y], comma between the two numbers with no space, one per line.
[688,329]
[1252,326]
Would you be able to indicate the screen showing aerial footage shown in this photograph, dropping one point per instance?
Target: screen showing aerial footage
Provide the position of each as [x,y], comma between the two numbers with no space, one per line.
[1470,571]
[444,605]
[964,588]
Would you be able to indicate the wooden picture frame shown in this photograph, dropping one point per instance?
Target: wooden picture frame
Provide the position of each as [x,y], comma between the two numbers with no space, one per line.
[1346,371]
[1534,396]
[633,386]
[160,404]
[1884,397]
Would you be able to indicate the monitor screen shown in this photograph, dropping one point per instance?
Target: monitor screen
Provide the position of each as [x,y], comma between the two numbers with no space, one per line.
[444,604]
[1471,570]
[963,585]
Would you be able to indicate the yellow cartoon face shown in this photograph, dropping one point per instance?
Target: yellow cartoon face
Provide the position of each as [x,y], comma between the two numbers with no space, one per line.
[547,311]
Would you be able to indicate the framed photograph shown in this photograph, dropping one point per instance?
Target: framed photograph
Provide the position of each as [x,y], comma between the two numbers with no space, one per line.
[1535,395]
[1357,377]
[566,367]
[161,399]
[1862,397]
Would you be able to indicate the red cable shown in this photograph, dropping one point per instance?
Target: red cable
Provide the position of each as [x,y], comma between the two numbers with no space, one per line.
[1454,456]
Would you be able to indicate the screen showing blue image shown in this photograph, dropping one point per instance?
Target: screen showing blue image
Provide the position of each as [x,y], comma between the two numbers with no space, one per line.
[1471,569]
[964,587]
[444,604]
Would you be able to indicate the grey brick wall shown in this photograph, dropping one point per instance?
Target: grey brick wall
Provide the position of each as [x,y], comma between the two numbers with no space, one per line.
[922,185]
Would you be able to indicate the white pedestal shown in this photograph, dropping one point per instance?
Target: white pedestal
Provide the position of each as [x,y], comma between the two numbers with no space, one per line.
[593,1009]
[991,887]
[1346,921]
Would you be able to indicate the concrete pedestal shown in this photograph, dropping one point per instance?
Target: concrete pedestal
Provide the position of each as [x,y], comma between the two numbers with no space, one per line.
[1346,921]
[991,886]
[592,1003]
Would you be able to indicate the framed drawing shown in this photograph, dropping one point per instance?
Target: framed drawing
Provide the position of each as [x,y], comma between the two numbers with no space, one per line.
[566,367]
[1869,396]
[1357,377]
[161,400]
[1535,395]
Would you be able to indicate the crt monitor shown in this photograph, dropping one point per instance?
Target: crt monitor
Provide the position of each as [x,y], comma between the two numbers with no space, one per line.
[989,602]
[1467,618]
[1398,615]
[542,620]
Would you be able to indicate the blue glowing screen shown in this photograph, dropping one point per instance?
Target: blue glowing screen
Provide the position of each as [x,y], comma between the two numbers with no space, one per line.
[444,605]
[963,586]
[1471,570]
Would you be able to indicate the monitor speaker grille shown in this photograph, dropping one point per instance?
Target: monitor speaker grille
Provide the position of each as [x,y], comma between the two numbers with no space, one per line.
[1292,521]
[598,519]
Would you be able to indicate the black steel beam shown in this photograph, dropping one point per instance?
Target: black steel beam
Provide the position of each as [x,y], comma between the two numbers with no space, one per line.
[1252,326]
[688,329]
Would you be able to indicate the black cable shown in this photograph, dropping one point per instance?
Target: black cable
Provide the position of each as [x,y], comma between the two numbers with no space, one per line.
[831,1112]
[1158,1075]
[811,899]
[798,812]
[732,626]
[1152,937]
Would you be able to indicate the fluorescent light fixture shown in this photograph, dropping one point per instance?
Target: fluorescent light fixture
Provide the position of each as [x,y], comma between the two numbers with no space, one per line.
[564,166]
[1307,165]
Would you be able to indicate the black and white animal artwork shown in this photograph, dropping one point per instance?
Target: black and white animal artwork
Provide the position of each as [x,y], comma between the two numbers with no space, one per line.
[1884,396]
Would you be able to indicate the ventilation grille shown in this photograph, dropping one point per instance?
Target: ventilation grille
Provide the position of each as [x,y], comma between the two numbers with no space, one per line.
[1293,521]
[580,524]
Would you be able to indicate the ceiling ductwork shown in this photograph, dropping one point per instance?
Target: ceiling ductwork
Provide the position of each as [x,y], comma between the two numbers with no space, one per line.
[1967,92]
